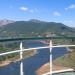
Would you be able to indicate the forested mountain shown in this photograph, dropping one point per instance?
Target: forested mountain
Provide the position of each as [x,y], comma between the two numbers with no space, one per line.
[35,28]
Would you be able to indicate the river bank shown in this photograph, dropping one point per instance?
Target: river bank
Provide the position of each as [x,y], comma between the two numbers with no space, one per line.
[4,63]
[8,61]
[56,68]
[17,58]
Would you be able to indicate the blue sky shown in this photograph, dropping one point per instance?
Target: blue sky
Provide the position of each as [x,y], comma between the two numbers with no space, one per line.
[47,10]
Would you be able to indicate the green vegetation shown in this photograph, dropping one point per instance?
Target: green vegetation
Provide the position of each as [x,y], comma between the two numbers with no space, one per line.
[10,46]
[35,29]
[67,60]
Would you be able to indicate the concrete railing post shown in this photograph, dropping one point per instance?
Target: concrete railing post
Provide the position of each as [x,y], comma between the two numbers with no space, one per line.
[21,57]
[50,44]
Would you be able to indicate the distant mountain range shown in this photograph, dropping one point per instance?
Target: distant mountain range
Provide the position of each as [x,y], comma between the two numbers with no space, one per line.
[5,22]
[34,28]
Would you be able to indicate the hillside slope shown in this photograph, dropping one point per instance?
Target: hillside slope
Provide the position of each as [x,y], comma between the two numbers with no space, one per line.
[34,28]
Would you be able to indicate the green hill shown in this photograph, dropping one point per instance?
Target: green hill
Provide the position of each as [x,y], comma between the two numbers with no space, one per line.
[35,28]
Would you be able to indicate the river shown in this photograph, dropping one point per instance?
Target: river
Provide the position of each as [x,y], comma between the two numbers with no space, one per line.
[33,63]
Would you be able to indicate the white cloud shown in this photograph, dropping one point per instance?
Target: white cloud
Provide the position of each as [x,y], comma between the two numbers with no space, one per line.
[68,21]
[72,6]
[31,11]
[24,8]
[56,13]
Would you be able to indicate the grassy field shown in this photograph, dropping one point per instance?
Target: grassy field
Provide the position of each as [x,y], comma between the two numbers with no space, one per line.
[67,60]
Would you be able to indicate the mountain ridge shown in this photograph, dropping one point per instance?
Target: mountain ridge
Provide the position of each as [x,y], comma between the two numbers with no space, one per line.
[35,28]
[5,22]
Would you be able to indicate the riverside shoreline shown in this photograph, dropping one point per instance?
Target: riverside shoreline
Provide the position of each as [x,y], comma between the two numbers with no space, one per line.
[56,68]
[4,63]
[14,59]
[7,62]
